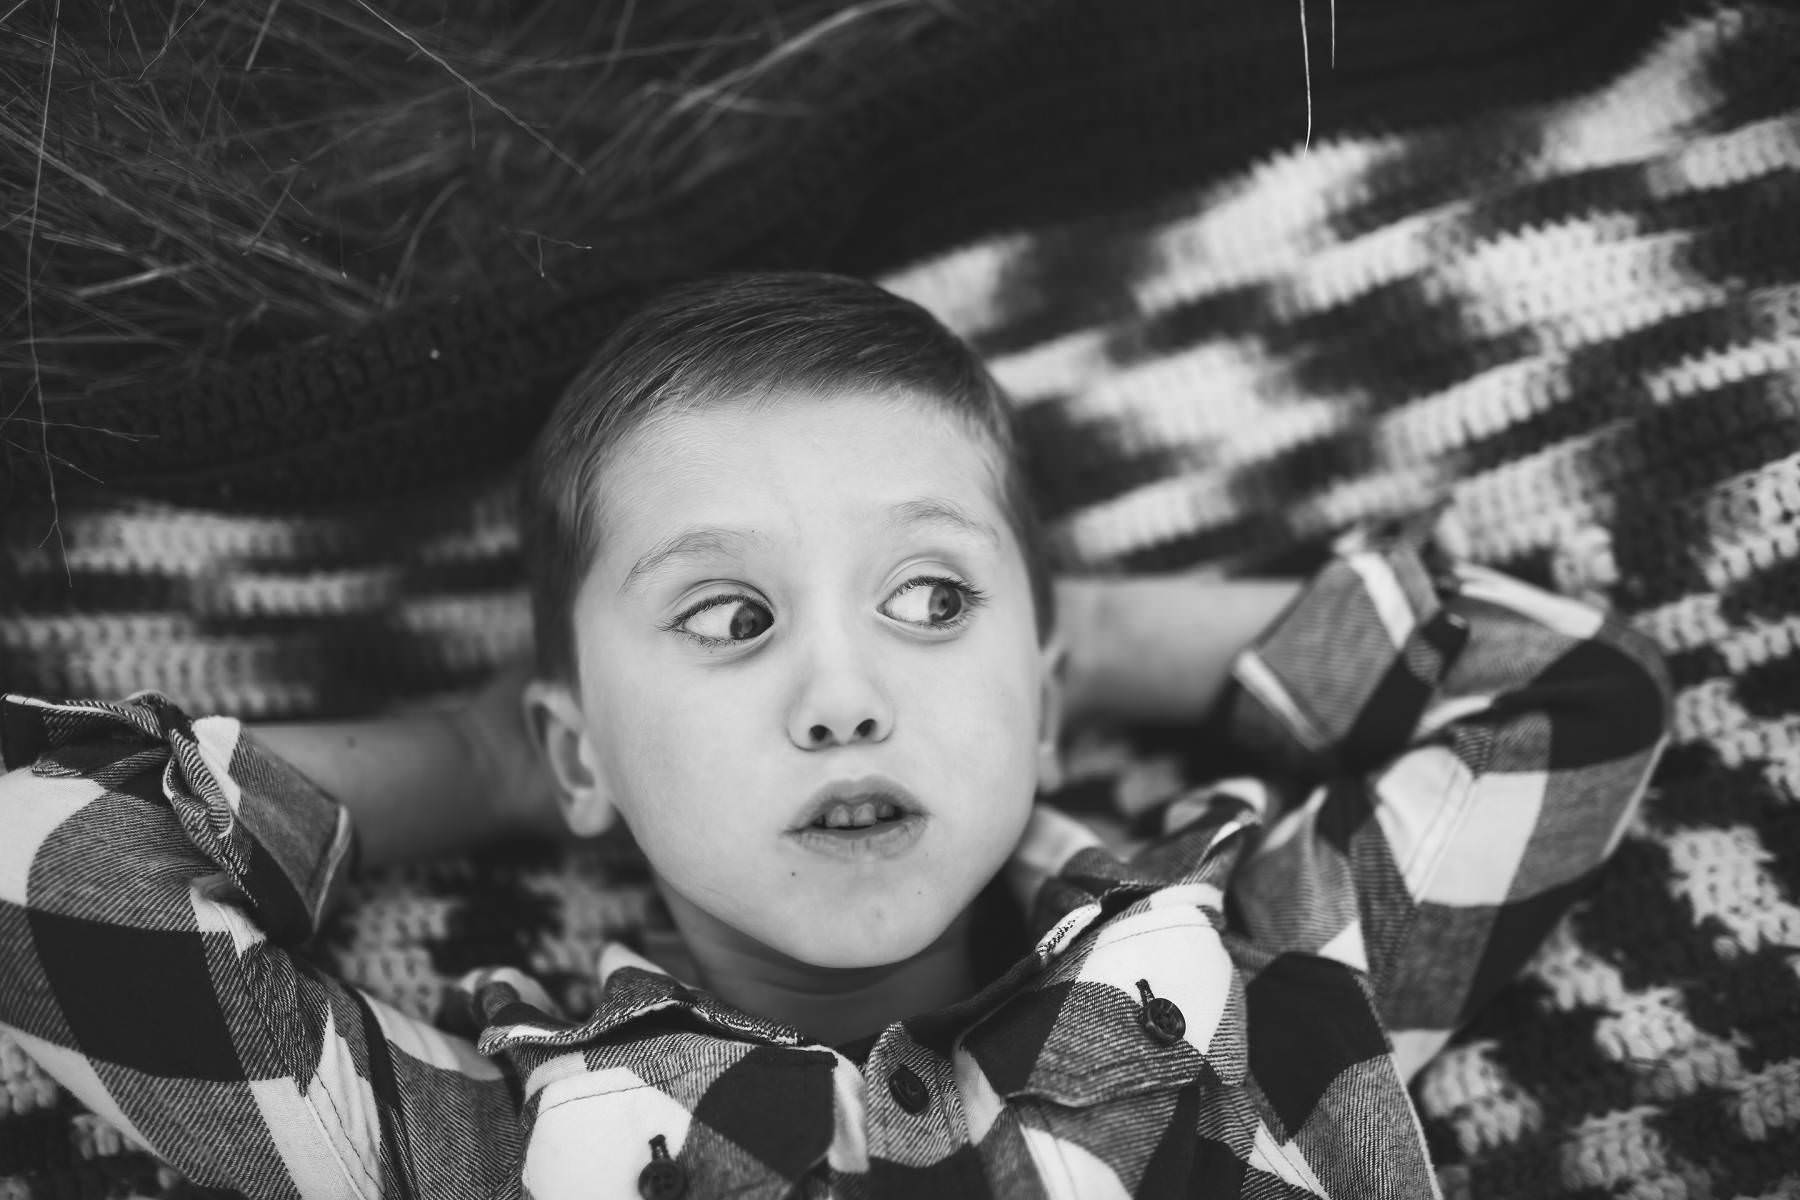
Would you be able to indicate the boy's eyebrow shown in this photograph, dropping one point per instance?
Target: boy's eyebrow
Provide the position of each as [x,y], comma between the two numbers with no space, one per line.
[689,543]
[946,514]
[705,540]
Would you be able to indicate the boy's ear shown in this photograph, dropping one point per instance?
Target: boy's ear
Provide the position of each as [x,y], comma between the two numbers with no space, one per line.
[554,717]
[1053,669]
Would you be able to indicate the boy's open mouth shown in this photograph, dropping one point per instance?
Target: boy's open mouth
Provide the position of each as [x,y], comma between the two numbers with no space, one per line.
[854,804]
[861,815]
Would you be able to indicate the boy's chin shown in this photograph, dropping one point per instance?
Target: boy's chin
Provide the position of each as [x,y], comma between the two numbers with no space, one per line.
[853,944]
[865,955]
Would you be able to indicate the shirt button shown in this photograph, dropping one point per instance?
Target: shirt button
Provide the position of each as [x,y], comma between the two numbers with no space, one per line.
[1161,1017]
[909,1090]
[663,1178]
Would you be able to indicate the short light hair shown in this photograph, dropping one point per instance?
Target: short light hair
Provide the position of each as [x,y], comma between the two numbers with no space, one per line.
[733,339]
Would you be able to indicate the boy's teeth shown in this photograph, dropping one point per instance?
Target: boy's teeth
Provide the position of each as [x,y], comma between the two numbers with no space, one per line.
[856,816]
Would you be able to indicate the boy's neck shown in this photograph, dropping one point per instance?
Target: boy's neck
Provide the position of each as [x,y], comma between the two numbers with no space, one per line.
[833,1006]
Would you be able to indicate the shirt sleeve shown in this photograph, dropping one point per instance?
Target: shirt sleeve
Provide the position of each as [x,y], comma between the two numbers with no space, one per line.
[1459,751]
[159,877]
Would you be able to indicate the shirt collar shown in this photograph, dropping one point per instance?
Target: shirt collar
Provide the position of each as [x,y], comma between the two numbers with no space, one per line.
[1063,876]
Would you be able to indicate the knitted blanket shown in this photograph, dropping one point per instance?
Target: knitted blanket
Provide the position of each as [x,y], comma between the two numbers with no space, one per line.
[1579,319]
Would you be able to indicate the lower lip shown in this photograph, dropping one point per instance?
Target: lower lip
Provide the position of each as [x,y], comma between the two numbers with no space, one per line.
[871,843]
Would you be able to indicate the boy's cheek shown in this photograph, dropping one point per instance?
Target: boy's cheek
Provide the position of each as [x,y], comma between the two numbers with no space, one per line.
[691,804]
[997,735]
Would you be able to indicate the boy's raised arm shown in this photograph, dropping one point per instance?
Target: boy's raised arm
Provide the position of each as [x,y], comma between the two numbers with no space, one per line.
[1461,751]
[433,782]
[1158,648]
[158,877]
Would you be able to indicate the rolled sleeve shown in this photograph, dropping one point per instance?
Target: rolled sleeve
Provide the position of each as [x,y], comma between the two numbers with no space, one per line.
[284,845]
[1474,749]
[158,876]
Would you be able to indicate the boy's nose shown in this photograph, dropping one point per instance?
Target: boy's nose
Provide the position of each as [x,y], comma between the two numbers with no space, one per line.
[840,699]
[824,735]
[840,715]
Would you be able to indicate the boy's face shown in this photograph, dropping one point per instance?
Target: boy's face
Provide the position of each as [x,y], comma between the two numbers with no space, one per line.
[836,665]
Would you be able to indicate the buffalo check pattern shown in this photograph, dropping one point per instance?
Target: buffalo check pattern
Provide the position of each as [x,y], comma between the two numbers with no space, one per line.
[1232,1005]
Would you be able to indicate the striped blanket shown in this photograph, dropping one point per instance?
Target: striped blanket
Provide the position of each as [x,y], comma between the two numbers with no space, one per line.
[1578,320]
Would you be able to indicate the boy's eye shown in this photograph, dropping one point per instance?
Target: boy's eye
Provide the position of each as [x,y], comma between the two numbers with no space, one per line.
[931,601]
[727,619]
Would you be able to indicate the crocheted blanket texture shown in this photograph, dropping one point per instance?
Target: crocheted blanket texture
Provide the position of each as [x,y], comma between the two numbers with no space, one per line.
[1576,318]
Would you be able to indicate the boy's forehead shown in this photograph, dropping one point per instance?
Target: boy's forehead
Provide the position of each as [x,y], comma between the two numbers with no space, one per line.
[671,457]
[700,477]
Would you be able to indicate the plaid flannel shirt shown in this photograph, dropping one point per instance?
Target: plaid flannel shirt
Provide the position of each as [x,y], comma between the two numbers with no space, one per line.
[1447,755]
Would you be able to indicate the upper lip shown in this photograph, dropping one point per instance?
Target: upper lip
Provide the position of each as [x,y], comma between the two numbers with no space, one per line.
[854,791]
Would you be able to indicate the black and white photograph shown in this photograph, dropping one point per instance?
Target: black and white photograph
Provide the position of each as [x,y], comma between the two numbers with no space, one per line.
[899,600]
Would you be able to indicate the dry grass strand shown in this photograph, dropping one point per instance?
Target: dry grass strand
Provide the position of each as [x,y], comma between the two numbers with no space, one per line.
[212,179]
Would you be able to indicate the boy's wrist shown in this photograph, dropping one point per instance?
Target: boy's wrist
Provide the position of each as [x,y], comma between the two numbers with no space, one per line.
[1160,648]
[1082,629]
[512,785]
[460,732]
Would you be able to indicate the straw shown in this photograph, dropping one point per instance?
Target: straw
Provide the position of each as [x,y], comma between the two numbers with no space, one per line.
[188,183]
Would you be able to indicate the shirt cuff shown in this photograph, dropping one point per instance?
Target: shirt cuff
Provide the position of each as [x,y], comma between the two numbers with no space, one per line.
[283,846]
[1341,679]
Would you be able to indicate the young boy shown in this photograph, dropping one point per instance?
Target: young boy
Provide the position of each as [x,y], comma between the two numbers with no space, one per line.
[796,631]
